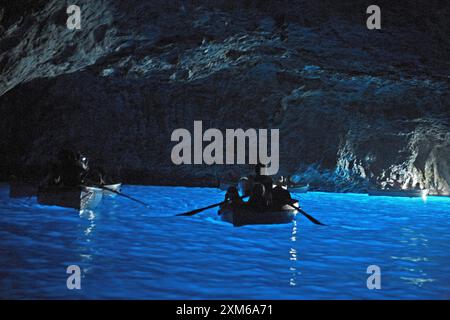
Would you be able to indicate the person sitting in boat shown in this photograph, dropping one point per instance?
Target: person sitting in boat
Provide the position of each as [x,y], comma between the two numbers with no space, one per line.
[258,201]
[56,172]
[266,181]
[83,162]
[261,178]
[233,198]
[73,167]
[281,182]
[96,176]
[280,195]
[53,178]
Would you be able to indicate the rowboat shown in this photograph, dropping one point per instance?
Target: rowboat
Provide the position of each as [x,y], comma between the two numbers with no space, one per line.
[79,198]
[242,215]
[399,193]
[20,189]
[298,188]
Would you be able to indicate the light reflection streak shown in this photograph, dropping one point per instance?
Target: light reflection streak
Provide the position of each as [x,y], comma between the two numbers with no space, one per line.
[293,256]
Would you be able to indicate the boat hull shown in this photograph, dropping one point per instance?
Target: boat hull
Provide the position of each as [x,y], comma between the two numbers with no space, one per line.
[19,189]
[79,198]
[298,189]
[398,193]
[244,216]
[116,187]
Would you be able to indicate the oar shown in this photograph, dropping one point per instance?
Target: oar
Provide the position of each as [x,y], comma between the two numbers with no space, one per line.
[312,219]
[191,213]
[121,194]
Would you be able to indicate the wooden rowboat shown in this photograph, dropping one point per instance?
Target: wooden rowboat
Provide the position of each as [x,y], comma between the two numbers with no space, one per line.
[415,193]
[20,189]
[79,198]
[240,216]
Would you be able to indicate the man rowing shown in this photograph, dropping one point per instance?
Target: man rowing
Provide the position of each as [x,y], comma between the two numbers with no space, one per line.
[263,197]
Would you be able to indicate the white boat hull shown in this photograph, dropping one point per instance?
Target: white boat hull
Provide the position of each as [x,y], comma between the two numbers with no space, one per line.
[398,193]
[299,189]
[116,187]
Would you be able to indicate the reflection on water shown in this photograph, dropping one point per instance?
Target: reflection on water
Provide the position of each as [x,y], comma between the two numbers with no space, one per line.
[293,255]
[128,251]
[418,242]
[90,216]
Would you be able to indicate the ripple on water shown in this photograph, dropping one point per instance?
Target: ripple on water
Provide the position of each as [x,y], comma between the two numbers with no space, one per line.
[128,251]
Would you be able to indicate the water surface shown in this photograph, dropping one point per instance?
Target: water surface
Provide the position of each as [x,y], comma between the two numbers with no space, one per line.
[128,251]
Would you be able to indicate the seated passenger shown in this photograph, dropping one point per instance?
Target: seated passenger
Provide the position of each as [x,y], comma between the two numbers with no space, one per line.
[73,167]
[280,197]
[233,198]
[258,202]
[96,176]
[266,181]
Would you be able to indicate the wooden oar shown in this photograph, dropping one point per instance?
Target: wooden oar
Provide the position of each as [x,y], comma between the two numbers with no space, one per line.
[120,194]
[312,219]
[191,213]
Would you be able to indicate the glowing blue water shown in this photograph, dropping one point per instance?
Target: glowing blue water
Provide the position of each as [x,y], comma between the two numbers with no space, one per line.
[128,251]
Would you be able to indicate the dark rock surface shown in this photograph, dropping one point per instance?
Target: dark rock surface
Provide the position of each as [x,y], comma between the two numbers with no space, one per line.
[350,103]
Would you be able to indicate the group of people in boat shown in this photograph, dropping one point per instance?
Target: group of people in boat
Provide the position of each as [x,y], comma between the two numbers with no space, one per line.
[71,169]
[264,196]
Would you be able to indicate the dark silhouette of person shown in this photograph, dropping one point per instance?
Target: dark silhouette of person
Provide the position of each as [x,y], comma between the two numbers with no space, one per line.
[280,195]
[96,176]
[232,196]
[263,191]
[72,167]
[266,181]
[258,202]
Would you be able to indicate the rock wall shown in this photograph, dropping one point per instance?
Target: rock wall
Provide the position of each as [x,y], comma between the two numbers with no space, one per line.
[351,104]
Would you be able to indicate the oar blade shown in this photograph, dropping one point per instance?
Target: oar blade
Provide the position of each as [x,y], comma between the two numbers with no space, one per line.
[122,194]
[190,213]
[310,218]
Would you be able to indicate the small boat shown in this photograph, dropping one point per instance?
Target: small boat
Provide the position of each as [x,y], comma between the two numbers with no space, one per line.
[21,189]
[244,216]
[115,187]
[79,198]
[298,188]
[414,193]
